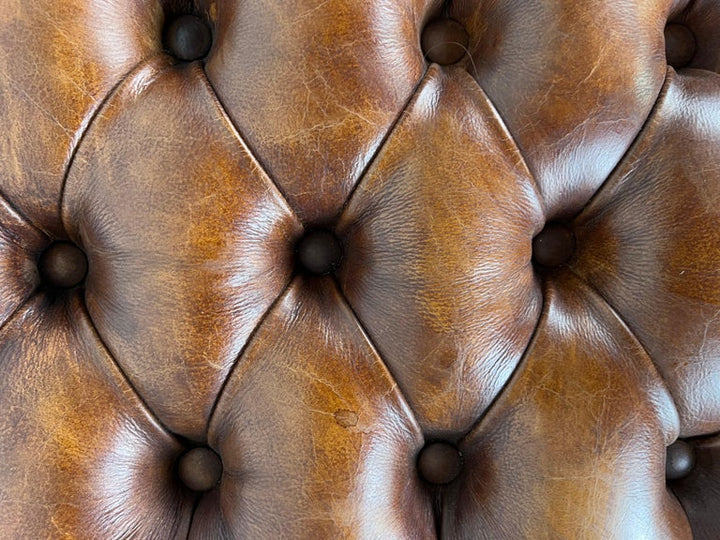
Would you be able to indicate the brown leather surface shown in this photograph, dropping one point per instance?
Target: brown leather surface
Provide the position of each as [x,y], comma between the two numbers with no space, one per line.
[518,313]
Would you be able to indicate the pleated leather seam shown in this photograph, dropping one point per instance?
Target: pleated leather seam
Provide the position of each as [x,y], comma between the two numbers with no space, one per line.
[593,290]
[243,349]
[89,121]
[371,343]
[22,217]
[374,159]
[516,370]
[614,178]
[245,144]
[122,373]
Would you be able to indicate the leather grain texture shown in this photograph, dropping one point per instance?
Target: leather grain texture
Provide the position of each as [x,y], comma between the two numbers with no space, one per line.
[257,256]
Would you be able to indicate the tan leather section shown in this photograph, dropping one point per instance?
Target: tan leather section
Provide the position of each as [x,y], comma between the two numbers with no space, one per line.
[20,247]
[196,244]
[82,457]
[267,271]
[575,447]
[317,99]
[424,232]
[649,244]
[318,442]
[574,81]
[59,60]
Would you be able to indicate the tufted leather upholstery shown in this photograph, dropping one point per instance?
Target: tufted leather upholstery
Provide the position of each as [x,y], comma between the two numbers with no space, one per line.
[360,269]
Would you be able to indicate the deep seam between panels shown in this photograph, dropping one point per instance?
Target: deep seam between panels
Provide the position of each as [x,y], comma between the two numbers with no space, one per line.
[407,407]
[243,349]
[196,504]
[114,361]
[631,332]
[374,158]
[514,143]
[244,144]
[87,125]
[689,7]
[366,335]
[542,318]
[671,492]
[614,176]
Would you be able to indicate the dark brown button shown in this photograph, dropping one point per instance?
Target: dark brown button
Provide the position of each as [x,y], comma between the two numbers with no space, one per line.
[200,469]
[439,462]
[680,460]
[319,252]
[444,41]
[554,245]
[679,45]
[188,38]
[63,265]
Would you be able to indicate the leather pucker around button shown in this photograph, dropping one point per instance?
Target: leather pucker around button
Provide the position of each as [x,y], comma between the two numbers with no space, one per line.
[200,469]
[680,460]
[554,245]
[63,265]
[319,252]
[444,41]
[439,462]
[188,38]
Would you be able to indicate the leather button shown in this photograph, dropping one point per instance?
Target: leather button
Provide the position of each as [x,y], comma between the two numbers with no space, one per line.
[679,45]
[63,265]
[200,469]
[554,245]
[680,460]
[439,463]
[319,252]
[188,38]
[444,41]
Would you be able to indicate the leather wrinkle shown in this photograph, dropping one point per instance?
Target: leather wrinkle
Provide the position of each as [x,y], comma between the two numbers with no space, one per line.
[89,121]
[20,214]
[19,308]
[196,504]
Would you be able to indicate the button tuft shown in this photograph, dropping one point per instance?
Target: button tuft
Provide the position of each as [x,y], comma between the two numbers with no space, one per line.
[444,41]
[679,45]
[554,245]
[188,38]
[200,469]
[680,460]
[319,252]
[439,463]
[63,265]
